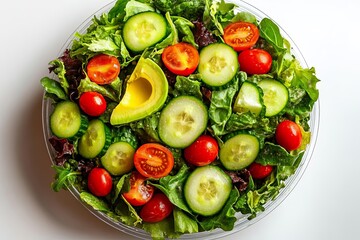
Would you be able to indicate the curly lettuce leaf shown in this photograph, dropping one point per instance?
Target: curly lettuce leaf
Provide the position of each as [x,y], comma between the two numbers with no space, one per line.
[59,69]
[86,85]
[187,9]
[190,86]
[64,178]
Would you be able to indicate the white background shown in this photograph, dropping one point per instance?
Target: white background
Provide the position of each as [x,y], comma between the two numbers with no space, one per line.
[324,204]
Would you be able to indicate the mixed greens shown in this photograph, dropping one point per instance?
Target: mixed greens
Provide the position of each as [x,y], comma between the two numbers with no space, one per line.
[199,23]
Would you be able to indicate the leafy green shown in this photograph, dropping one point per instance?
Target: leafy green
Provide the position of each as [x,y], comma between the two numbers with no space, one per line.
[98,204]
[220,109]
[86,85]
[146,128]
[161,230]
[172,187]
[59,70]
[273,154]
[188,86]
[125,134]
[271,32]
[187,9]
[135,7]
[64,178]
[184,27]
[183,223]
[119,187]
[53,89]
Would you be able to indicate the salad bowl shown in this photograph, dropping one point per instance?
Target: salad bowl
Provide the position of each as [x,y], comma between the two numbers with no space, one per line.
[243,219]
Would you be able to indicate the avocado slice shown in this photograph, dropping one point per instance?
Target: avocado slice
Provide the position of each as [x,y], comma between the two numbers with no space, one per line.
[145,93]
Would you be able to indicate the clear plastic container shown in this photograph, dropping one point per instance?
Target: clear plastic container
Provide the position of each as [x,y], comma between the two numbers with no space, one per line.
[242,221]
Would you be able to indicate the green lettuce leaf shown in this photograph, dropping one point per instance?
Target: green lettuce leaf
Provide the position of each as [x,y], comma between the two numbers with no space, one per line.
[134,7]
[190,86]
[59,70]
[146,128]
[86,85]
[183,223]
[161,230]
[172,187]
[271,32]
[53,89]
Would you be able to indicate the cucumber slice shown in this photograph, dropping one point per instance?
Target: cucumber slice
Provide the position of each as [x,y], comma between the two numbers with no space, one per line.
[182,121]
[218,64]
[144,30]
[248,99]
[95,140]
[239,151]
[276,96]
[118,159]
[207,189]
[66,120]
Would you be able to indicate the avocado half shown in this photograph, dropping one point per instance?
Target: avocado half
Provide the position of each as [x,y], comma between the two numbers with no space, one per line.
[145,93]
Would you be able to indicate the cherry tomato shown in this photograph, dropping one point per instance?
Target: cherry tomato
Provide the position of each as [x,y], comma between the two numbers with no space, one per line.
[157,209]
[99,182]
[181,58]
[288,135]
[153,160]
[241,35]
[255,61]
[92,103]
[103,69]
[259,171]
[203,151]
[139,193]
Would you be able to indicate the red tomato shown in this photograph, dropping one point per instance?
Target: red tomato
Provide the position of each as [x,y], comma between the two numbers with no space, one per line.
[157,209]
[92,103]
[99,182]
[241,35]
[181,58]
[288,135]
[259,171]
[203,151]
[153,160]
[255,61]
[140,193]
[103,69]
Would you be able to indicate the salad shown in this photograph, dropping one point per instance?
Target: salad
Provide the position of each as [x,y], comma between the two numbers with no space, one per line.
[177,116]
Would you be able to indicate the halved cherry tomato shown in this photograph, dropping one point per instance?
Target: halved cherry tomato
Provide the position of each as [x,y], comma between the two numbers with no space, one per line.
[157,209]
[99,182]
[241,35]
[153,160]
[255,61]
[140,193]
[181,58]
[92,103]
[103,69]
[259,171]
[288,135]
[203,151]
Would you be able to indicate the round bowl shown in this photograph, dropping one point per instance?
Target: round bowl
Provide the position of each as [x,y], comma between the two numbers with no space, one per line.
[242,220]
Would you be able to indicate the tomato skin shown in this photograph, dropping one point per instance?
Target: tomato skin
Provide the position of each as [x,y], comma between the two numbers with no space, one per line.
[255,61]
[241,35]
[202,152]
[259,171]
[99,182]
[153,160]
[92,103]
[139,193]
[288,135]
[181,58]
[103,69]
[157,209]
